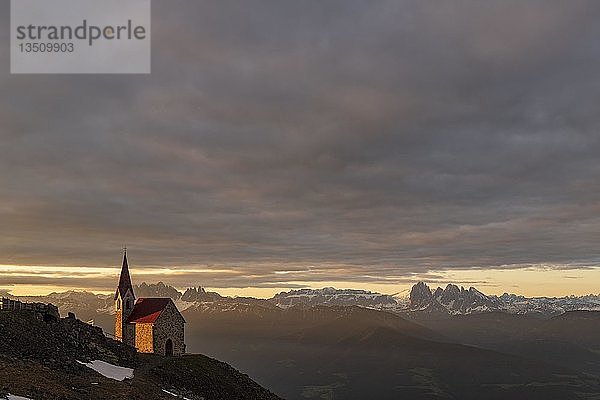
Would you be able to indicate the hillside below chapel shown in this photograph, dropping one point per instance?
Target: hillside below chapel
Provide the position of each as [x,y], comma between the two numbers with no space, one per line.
[42,360]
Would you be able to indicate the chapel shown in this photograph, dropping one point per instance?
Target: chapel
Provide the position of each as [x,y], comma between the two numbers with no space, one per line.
[150,324]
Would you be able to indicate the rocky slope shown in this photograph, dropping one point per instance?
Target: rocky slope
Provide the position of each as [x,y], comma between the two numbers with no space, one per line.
[43,360]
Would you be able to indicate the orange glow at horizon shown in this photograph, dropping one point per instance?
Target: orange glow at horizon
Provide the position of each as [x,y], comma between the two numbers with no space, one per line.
[531,281]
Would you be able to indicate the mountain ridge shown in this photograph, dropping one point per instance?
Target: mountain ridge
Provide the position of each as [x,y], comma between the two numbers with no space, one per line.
[440,302]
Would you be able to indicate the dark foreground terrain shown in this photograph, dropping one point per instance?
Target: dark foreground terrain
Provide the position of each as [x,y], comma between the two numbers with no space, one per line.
[39,360]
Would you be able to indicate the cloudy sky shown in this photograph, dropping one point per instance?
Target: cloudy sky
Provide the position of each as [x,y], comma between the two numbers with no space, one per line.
[282,144]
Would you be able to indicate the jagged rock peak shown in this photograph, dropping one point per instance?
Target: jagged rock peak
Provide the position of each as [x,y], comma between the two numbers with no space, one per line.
[420,296]
[453,300]
[200,294]
[157,290]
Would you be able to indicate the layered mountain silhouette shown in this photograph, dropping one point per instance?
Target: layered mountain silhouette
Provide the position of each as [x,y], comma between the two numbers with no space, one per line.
[451,300]
[451,343]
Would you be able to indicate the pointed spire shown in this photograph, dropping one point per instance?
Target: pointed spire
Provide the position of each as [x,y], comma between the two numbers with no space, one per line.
[124,279]
[125,264]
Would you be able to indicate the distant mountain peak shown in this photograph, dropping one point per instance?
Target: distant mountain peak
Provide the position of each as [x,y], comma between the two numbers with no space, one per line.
[333,297]
[452,299]
[420,296]
[457,300]
[157,290]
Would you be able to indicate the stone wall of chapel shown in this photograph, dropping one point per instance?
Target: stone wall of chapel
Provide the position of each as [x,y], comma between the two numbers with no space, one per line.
[170,325]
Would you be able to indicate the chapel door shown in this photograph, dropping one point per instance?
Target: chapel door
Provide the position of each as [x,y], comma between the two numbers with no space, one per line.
[169,347]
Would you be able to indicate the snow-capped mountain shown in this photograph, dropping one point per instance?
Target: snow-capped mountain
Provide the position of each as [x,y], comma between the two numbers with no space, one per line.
[454,300]
[334,297]
[421,300]
[548,305]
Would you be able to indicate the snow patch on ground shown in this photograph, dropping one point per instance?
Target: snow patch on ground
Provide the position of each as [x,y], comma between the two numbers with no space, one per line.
[108,370]
[13,397]
[175,394]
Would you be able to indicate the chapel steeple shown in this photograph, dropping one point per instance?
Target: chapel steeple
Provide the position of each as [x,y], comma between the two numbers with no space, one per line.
[124,303]
[124,279]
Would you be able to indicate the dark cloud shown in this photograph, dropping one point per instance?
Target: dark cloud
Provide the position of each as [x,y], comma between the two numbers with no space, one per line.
[369,139]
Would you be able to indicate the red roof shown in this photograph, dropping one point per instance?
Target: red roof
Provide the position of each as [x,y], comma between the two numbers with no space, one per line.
[147,310]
